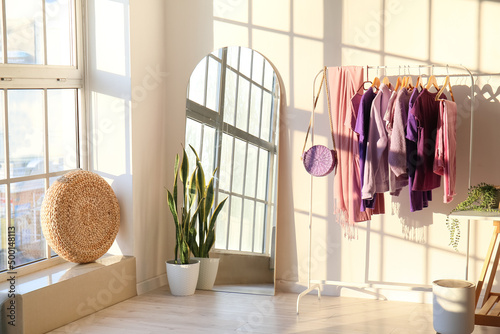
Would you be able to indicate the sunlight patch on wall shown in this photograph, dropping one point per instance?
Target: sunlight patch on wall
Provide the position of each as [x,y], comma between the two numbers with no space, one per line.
[271,14]
[110,42]
[307,20]
[227,34]
[403,36]
[399,61]
[361,28]
[460,41]
[276,48]
[310,54]
[389,264]
[351,56]
[490,51]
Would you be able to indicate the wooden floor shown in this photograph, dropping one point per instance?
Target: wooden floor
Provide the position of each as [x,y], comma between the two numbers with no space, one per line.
[221,312]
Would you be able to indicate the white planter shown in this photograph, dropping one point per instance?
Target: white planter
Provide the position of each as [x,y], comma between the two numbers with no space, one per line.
[453,306]
[182,278]
[208,272]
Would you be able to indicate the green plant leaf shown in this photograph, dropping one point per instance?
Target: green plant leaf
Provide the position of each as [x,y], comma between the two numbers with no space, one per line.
[172,207]
[216,213]
[209,195]
[192,189]
[184,168]
[210,234]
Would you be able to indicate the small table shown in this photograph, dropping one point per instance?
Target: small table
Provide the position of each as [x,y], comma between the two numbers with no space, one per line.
[489,313]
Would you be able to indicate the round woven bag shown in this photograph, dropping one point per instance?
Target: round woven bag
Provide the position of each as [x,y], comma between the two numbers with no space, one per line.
[319,160]
[80,216]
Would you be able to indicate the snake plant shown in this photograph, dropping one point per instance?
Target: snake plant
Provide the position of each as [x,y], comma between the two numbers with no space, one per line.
[185,223]
[206,213]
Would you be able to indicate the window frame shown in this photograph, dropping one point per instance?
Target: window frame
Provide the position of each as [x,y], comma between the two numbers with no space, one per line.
[45,77]
[215,119]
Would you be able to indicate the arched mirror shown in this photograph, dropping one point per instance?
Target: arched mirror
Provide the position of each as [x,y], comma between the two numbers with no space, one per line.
[232,111]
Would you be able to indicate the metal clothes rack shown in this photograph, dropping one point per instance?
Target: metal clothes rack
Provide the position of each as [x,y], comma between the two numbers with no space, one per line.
[315,284]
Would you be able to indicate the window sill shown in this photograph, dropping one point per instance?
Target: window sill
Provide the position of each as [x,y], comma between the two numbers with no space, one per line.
[55,296]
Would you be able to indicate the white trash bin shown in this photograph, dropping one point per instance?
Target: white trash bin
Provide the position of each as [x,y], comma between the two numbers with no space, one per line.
[453,306]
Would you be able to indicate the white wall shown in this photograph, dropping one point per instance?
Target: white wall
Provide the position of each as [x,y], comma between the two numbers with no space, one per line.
[299,37]
[165,47]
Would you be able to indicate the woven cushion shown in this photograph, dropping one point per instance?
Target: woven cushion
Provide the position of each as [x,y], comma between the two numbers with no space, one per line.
[80,216]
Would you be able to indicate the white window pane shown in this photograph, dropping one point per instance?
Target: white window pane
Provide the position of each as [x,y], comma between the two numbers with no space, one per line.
[230,96]
[247,231]
[263,172]
[217,53]
[26,198]
[260,218]
[251,171]
[235,224]
[246,61]
[265,127]
[24,31]
[243,104]
[213,82]
[232,56]
[274,173]
[197,83]
[26,132]
[208,151]
[2,136]
[255,104]
[61,108]
[239,166]
[1,41]
[59,16]
[221,224]
[3,211]
[226,161]
[257,67]
[268,76]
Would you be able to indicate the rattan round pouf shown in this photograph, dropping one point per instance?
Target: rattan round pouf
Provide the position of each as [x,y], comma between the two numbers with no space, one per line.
[80,216]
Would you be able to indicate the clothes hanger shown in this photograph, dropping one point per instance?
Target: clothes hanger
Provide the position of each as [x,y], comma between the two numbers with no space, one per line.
[398,81]
[432,82]
[363,85]
[375,83]
[419,80]
[399,84]
[446,82]
[386,81]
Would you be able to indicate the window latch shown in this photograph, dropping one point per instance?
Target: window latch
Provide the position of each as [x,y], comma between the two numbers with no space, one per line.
[61,79]
[5,79]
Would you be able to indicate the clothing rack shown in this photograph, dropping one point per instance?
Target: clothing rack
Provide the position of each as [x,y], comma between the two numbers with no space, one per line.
[315,284]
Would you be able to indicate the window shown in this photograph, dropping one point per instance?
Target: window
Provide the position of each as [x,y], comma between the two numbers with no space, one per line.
[233,96]
[41,81]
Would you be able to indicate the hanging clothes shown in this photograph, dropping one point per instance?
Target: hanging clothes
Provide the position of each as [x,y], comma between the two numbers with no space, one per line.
[343,83]
[426,111]
[359,123]
[376,176]
[396,124]
[446,143]
[418,199]
[362,127]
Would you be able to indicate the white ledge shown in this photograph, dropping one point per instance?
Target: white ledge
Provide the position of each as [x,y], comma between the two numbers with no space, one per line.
[55,296]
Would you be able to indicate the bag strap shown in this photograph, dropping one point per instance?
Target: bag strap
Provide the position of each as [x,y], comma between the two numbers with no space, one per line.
[315,102]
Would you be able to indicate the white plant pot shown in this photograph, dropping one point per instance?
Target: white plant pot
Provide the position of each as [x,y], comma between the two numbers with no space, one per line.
[182,278]
[208,272]
[453,306]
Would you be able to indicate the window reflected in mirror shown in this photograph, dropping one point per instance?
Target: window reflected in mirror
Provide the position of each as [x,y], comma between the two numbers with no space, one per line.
[232,116]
